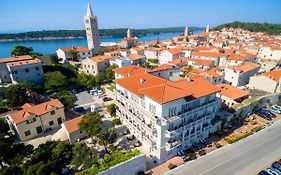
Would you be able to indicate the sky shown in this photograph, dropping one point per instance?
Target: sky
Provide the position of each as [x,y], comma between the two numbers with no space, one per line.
[30,15]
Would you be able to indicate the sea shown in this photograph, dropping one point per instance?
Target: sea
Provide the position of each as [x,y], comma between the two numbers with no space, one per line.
[50,46]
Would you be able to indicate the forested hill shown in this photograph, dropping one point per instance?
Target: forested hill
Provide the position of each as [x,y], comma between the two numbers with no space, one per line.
[121,32]
[271,29]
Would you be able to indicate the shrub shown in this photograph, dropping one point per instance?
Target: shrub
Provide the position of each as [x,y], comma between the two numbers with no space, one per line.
[202,152]
[152,60]
[116,121]
[217,145]
[172,166]
[258,128]
[113,159]
[191,156]
[232,140]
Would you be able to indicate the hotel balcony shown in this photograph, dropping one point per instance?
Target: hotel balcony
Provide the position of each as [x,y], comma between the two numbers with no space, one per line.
[172,145]
[180,116]
[137,118]
[137,106]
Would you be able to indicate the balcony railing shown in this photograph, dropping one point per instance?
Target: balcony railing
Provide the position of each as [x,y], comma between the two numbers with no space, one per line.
[137,107]
[138,119]
[171,145]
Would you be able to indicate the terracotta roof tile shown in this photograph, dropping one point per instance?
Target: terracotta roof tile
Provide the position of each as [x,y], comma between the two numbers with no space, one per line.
[275,74]
[73,125]
[20,116]
[131,70]
[231,91]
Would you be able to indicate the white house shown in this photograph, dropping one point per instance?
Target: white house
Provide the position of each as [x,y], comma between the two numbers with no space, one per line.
[170,54]
[268,81]
[82,53]
[72,129]
[21,68]
[240,75]
[33,120]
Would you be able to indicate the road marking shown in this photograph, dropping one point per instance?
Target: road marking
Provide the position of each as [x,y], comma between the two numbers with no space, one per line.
[272,138]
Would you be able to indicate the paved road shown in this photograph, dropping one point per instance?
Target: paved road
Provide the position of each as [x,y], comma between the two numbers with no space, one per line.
[245,157]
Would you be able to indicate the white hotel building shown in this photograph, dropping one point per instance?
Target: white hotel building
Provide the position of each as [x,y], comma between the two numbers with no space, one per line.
[167,116]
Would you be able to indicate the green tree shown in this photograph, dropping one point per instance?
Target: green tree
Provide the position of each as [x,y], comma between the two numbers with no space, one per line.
[83,155]
[21,50]
[112,109]
[91,124]
[102,51]
[68,99]
[54,59]
[73,54]
[86,80]
[100,77]
[16,95]
[109,73]
[35,54]
[55,81]
[107,137]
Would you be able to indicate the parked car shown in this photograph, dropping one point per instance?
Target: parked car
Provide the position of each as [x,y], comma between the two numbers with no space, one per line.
[275,109]
[273,171]
[269,113]
[264,115]
[105,99]
[79,109]
[277,165]
[263,172]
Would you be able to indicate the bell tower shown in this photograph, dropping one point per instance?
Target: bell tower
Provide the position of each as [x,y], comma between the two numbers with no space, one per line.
[92,30]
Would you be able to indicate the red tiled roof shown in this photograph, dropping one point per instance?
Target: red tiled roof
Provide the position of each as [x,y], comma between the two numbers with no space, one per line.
[246,67]
[15,59]
[100,59]
[163,91]
[131,70]
[275,74]
[20,116]
[73,125]
[77,49]
[231,91]
[135,57]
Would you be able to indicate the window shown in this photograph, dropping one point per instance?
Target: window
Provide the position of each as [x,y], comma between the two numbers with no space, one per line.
[26,70]
[39,129]
[59,120]
[27,133]
[53,112]
[51,123]
[36,68]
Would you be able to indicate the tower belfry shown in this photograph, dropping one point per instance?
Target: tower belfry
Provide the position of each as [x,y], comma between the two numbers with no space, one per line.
[92,30]
[186,31]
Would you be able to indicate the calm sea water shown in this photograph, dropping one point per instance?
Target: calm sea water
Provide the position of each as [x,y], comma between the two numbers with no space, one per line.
[50,46]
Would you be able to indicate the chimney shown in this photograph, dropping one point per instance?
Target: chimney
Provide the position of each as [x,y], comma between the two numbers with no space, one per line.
[142,80]
[188,79]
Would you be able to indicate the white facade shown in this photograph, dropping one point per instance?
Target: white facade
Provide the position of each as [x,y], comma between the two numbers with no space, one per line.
[237,77]
[265,83]
[166,56]
[165,129]
[64,56]
[269,53]
[18,70]
[92,30]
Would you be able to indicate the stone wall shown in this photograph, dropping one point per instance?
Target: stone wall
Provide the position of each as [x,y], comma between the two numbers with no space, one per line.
[260,102]
[130,167]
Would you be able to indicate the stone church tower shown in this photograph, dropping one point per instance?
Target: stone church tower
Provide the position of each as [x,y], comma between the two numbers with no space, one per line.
[92,30]
[186,31]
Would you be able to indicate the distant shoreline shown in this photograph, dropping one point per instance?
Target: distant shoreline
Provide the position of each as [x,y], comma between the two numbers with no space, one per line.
[76,34]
